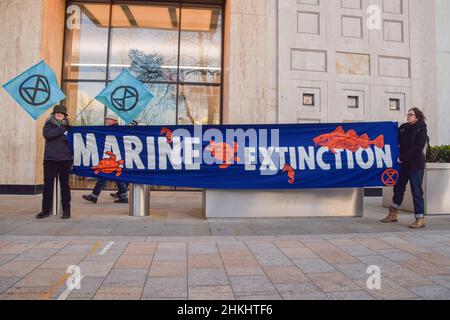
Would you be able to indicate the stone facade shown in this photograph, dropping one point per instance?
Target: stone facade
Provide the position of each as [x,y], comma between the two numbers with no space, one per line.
[250,82]
[333,68]
[32,30]
[443,69]
[286,61]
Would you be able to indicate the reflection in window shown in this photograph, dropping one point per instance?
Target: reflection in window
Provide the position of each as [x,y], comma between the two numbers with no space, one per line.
[87,45]
[353,102]
[394,104]
[175,50]
[141,34]
[81,104]
[308,99]
[201,45]
[199,105]
[162,108]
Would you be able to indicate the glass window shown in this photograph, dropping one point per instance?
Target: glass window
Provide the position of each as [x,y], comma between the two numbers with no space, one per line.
[87,41]
[353,102]
[308,99]
[162,108]
[199,105]
[145,39]
[201,44]
[174,49]
[394,104]
[82,108]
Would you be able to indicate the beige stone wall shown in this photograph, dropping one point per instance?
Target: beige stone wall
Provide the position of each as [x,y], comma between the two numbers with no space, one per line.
[250,83]
[31,30]
[443,69]
[52,38]
[326,49]
[275,51]
[20,22]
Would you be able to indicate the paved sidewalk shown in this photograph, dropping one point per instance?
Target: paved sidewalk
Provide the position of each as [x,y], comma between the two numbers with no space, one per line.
[175,254]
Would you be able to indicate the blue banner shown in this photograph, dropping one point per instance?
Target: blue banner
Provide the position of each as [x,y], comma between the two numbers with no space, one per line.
[36,89]
[125,96]
[307,156]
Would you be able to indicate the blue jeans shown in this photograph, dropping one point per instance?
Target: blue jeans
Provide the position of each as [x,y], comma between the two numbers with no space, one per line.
[415,179]
[122,188]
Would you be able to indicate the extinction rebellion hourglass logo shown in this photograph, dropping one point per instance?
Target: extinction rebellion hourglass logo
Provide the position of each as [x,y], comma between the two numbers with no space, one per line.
[125,98]
[35,90]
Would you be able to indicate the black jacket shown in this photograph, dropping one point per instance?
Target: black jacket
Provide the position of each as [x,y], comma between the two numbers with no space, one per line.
[412,141]
[56,145]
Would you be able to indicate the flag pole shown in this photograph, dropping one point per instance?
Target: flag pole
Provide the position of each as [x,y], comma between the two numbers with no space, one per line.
[85,107]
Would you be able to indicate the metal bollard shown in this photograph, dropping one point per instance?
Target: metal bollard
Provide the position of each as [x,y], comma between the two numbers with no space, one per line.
[57,206]
[139,200]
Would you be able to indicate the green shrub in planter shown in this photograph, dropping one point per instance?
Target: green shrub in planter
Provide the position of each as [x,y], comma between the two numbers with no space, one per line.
[438,154]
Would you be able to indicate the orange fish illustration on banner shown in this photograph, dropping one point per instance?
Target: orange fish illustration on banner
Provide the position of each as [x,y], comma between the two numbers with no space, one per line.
[224,152]
[109,165]
[339,139]
[291,173]
[168,134]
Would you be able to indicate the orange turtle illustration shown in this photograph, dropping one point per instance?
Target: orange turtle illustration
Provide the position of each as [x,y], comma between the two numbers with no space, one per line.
[339,139]
[291,173]
[168,134]
[224,152]
[109,165]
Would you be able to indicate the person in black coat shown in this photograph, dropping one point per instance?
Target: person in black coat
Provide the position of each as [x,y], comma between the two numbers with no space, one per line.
[413,138]
[57,161]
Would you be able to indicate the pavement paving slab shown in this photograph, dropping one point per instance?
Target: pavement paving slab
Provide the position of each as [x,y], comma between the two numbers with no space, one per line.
[177,254]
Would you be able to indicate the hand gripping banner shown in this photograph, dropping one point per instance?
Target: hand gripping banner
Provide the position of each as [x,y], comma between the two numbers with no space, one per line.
[309,156]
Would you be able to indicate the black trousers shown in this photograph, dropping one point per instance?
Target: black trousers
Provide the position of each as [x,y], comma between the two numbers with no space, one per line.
[53,169]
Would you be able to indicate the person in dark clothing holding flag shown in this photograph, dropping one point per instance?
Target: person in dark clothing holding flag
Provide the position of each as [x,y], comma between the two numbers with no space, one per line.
[57,161]
[413,138]
[122,187]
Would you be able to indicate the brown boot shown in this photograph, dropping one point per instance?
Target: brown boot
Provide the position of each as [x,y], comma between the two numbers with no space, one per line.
[419,224]
[392,216]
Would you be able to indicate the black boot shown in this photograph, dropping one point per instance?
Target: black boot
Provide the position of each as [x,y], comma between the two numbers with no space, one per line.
[66,214]
[43,215]
[115,195]
[121,200]
[90,198]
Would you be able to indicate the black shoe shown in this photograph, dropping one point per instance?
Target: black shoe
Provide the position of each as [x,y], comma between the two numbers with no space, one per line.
[43,215]
[114,195]
[121,200]
[66,214]
[90,198]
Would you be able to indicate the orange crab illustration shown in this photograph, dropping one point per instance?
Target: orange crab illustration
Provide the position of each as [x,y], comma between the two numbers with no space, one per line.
[109,165]
[168,133]
[291,173]
[224,152]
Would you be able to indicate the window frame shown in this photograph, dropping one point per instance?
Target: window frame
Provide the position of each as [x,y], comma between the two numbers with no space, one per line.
[219,4]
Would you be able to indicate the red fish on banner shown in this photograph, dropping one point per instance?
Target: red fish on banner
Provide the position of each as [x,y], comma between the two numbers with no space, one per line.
[339,139]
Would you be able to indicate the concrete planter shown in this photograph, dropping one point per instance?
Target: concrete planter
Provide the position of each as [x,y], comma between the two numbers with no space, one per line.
[283,203]
[436,187]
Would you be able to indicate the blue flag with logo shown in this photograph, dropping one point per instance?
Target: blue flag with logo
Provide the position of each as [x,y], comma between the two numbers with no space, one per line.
[125,96]
[36,90]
